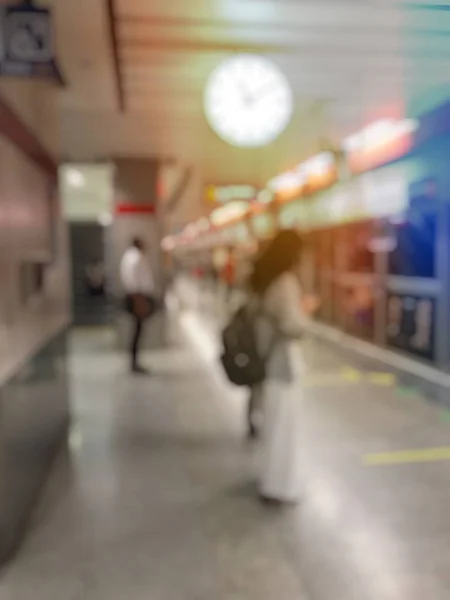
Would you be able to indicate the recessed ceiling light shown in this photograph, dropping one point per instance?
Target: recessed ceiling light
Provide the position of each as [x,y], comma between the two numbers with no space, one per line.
[75,178]
[105,219]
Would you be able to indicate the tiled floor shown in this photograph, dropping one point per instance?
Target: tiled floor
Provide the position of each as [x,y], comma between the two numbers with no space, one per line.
[156,498]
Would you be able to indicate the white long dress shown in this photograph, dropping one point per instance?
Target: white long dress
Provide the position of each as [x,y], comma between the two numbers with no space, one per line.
[280,477]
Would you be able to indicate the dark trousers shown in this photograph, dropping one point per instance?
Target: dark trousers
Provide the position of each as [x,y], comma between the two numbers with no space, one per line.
[138,327]
[140,308]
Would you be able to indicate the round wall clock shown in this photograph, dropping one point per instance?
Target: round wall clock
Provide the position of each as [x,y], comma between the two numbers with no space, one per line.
[248,101]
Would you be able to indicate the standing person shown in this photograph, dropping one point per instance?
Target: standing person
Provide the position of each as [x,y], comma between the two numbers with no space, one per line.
[95,279]
[138,284]
[282,309]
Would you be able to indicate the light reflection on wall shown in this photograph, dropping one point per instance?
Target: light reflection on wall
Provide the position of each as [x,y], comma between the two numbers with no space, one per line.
[384,194]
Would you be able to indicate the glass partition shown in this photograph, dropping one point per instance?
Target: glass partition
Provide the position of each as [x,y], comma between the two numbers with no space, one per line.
[410,324]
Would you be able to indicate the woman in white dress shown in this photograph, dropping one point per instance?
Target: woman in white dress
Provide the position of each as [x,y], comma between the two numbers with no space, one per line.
[282,312]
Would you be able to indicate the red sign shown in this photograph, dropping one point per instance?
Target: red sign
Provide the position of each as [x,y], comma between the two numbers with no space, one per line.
[135,209]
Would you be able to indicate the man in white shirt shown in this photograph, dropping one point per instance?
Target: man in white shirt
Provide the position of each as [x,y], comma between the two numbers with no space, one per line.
[138,284]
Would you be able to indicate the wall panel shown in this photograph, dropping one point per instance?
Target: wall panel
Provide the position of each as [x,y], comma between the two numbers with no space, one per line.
[34,304]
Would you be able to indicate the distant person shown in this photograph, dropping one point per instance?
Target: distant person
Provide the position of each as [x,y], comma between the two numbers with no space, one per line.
[138,283]
[281,312]
[95,279]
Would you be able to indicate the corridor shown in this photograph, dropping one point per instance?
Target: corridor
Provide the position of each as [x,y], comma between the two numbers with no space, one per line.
[155,497]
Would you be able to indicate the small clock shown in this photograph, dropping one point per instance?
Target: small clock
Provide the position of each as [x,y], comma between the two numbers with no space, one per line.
[248,101]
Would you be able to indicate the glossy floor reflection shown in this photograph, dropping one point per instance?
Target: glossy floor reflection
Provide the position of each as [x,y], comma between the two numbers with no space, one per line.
[155,499]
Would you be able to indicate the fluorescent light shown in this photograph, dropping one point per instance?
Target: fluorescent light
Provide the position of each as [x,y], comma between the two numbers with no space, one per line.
[75,178]
[228,213]
[317,166]
[380,132]
[105,219]
[287,182]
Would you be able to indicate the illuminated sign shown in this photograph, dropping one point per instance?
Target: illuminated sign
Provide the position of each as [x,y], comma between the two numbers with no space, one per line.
[229,213]
[265,197]
[287,184]
[229,193]
[316,173]
[373,195]
[384,193]
[379,143]
[321,171]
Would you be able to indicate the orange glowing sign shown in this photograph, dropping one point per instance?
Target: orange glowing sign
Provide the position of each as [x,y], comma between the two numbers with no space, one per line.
[316,173]
[379,143]
[230,213]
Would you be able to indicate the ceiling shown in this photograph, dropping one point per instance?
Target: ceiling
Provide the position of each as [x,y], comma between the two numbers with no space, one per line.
[136,70]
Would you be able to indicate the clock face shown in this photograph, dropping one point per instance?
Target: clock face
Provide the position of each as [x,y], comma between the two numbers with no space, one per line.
[248,101]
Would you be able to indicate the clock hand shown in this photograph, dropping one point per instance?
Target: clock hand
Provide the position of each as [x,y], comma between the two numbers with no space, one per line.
[262,92]
[245,94]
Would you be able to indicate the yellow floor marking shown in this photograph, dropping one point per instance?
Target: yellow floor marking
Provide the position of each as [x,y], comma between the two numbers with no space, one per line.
[350,374]
[423,455]
[323,379]
[384,379]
